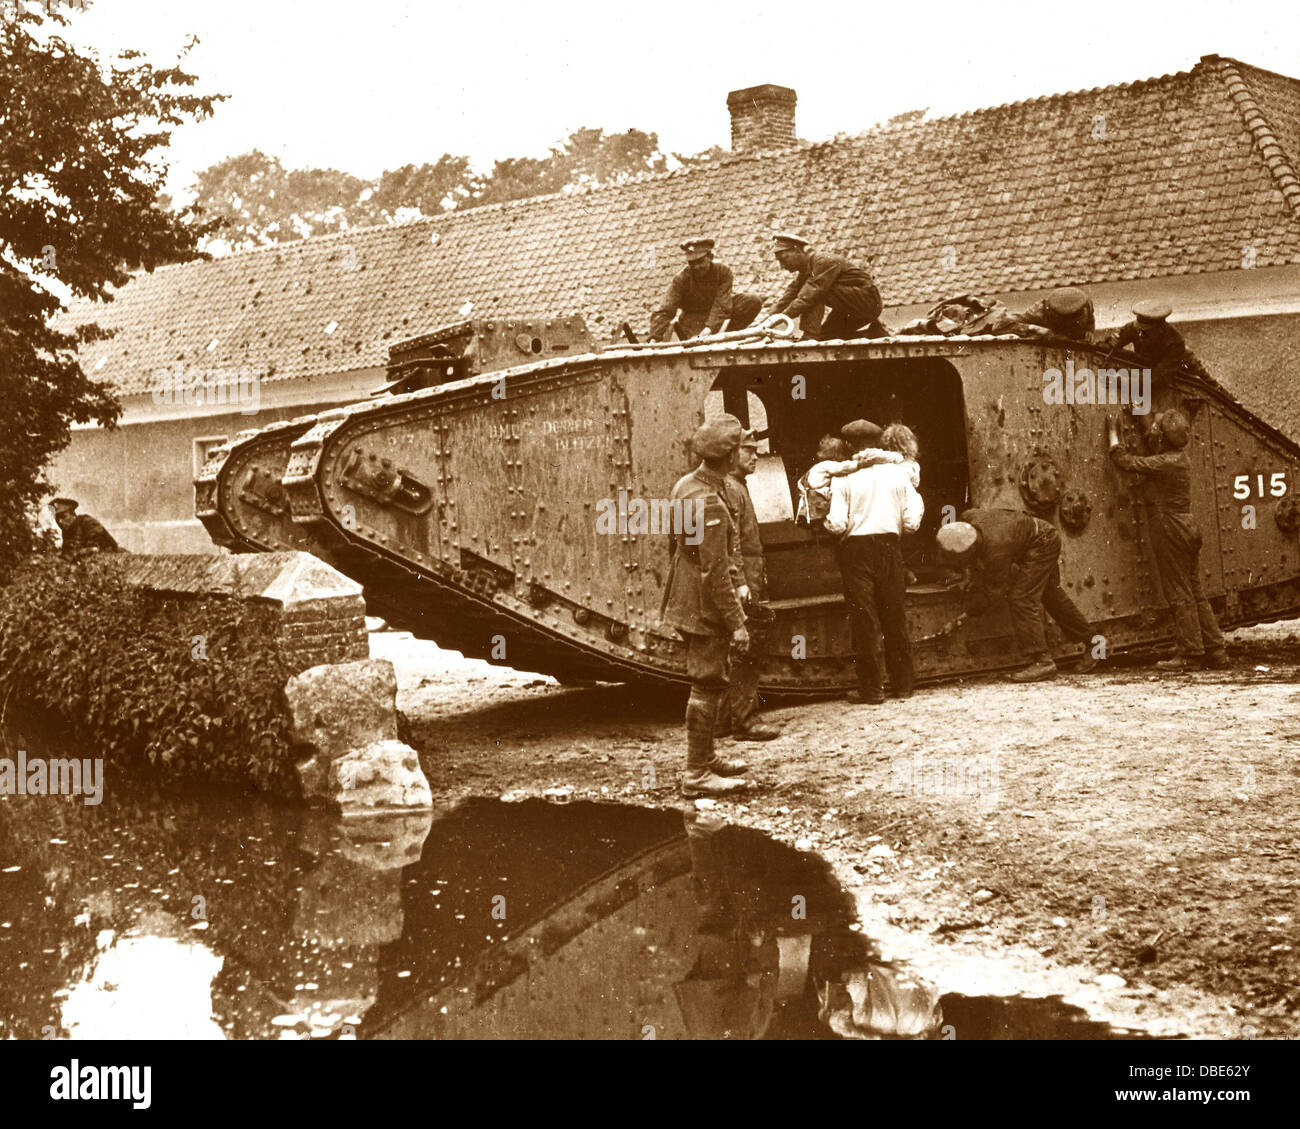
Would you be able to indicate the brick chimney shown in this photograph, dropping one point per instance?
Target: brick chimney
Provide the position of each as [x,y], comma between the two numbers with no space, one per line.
[762,117]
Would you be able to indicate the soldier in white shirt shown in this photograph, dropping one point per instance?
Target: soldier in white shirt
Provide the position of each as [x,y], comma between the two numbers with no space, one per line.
[870,511]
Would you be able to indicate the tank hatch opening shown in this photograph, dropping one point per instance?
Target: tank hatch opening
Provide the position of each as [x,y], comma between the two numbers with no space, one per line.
[792,407]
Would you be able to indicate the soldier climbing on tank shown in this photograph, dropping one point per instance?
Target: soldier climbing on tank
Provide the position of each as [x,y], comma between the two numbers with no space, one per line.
[1066,312]
[738,713]
[81,532]
[824,280]
[1175,537]
[704,600]
[701,298]
[1157,343]
[1017,555]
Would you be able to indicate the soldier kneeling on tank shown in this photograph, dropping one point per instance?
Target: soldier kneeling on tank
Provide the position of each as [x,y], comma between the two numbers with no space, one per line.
[1175,537]
[81,532]
[1018,556]
[704,600]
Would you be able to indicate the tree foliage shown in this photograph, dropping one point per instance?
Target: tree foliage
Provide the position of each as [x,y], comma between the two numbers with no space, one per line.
[254,201]
[82,148]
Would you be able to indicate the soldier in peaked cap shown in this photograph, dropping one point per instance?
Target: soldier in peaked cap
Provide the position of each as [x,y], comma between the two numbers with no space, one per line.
[824,280]
[1156,342]
[1175,537]
[81,532]
[704,601]
[1067,311]
[701,298]
[737,716]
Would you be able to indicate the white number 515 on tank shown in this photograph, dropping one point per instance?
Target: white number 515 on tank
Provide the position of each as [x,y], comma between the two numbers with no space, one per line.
[1241,485]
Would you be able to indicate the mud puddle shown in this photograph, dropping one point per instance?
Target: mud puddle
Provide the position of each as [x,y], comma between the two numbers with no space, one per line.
[158,916]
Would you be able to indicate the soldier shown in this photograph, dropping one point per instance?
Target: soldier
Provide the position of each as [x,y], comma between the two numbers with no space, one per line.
[702,292]
[1066,312]
[1175,538]
[1017,555]
[822,280]
[703,600]
[739,710]
[1155,342]
[81,532]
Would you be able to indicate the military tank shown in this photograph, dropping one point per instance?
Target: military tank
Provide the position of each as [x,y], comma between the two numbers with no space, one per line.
[506,493]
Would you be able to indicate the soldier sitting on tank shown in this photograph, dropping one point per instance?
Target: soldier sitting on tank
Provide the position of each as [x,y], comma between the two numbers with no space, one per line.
[704,598]
[1175,537]
[1016,555]
[1157,343]
[703,295]
[824,280]
[81,532]
[1066,312]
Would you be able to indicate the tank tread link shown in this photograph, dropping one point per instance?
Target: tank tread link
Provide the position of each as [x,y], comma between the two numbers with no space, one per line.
[511,514]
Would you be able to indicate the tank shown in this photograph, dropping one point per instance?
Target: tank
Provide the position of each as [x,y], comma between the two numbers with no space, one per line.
[516,511]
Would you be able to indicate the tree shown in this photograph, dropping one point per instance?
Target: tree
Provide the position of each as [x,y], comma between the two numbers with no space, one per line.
[81,166]
[585,158]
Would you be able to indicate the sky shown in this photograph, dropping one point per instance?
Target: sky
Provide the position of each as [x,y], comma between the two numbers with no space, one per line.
[369,86]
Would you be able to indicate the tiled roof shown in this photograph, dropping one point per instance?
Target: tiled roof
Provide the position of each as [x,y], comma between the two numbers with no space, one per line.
[1174,175]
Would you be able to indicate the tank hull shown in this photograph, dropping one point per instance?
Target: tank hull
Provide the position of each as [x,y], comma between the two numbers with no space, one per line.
[511,515]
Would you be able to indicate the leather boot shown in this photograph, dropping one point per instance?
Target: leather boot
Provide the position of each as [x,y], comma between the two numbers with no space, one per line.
[754,732]
[1217,660]
[700,778]
[722,766]
[1177,663]
[1038,671]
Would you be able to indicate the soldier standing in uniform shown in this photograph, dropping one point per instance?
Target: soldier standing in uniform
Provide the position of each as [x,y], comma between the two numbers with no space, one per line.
[1175,538]
[823,280]
[739,709]
[1156,342]
[704,600]
[81,532]
[702,292]
[1018,555]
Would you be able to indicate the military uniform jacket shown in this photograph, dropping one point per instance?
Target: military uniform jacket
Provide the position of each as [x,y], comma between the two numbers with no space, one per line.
[741,506]
[1167,478]
[1164,344]
[709,298]
[700,594]
[84,533]
[830,280]
[1005,535]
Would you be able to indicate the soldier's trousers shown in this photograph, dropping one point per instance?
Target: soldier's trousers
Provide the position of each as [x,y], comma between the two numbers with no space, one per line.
[876,591]
[1035,589]
[1176,548]
[740,701]
[857,317]
[708,666]
[744,309]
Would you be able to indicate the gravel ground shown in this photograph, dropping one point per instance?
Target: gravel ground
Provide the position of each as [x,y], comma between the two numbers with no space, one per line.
[1127,840]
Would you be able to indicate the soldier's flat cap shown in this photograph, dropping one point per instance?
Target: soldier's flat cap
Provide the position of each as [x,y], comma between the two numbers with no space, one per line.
[1067,300]
[64,503]
[1152,310]
[717,438]
[749,439]
[788,241]
[957,537]
[1173,429]
[697,248]
[861,432]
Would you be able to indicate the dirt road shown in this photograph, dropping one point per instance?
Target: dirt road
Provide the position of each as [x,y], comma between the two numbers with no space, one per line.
[1128,840]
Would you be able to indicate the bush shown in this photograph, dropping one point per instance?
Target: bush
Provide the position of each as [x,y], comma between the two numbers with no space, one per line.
[124,669]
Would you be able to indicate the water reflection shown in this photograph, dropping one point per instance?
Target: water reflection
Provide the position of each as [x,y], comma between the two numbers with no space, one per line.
[160,916]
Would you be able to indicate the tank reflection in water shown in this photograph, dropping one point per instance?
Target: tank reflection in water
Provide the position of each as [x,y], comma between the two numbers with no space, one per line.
[159,916]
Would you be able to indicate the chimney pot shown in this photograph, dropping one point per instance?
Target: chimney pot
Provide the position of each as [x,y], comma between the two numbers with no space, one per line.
[762,117]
